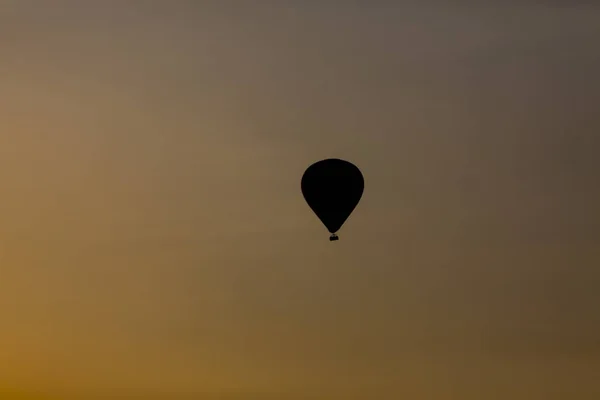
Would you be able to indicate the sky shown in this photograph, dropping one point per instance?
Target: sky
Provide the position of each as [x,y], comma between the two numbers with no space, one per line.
[154,242]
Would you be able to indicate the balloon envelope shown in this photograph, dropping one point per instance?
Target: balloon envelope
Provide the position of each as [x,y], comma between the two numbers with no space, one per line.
[332,188]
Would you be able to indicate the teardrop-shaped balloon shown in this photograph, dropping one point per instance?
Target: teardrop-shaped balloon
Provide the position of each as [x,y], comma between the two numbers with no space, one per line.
[332,188]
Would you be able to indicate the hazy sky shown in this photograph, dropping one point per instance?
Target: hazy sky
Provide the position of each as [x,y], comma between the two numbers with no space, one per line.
[154,240]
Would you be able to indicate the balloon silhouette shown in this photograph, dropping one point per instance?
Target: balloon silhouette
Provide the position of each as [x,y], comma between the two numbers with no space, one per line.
[332,188]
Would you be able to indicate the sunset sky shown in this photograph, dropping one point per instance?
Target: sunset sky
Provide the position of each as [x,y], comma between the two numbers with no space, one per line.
[154,241]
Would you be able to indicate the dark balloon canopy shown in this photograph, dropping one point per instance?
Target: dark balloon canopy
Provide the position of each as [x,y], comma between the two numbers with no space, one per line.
[332,188]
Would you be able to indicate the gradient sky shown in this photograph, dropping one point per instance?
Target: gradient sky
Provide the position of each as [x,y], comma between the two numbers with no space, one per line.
[154,240]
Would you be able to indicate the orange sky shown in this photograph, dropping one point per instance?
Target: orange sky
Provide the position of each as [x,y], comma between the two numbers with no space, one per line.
[154,240]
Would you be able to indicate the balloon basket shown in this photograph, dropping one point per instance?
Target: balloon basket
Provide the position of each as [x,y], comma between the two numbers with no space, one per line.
[333,237]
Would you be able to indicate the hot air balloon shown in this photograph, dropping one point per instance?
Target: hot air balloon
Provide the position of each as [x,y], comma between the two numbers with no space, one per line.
[332,188]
